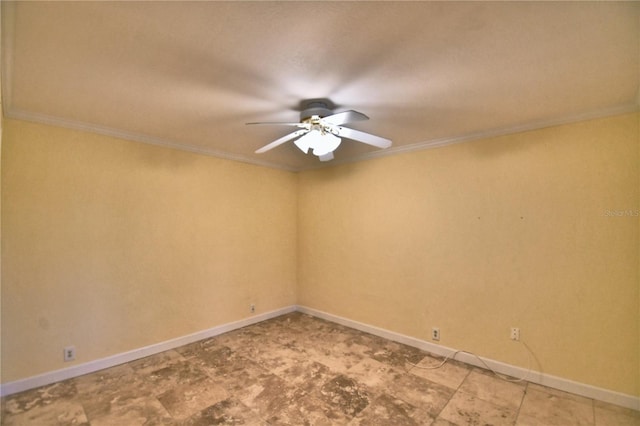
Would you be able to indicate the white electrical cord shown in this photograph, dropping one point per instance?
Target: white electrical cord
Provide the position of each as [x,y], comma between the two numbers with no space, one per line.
[500,376]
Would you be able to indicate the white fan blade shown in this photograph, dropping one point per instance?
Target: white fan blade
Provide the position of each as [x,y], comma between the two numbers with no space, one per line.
[282,140]
[326,157]
[268,123]
[344,117]
[363,137]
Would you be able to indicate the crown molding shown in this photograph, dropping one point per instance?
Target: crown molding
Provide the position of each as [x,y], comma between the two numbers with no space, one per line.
[135,137]
[13,113]
[526,127]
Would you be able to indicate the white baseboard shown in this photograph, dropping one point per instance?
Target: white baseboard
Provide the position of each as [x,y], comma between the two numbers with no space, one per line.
[605,395]
[111,361]
[560,383]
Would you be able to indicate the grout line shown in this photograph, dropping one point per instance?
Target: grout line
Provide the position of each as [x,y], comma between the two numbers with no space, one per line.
[455,392]
[524,395]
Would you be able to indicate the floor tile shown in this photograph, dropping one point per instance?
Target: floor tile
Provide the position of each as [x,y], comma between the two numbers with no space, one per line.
[307,410]
[338,357]
[139,411]
[491,388]
[442,422]
[243,339]
[187,399]
[386,410]
[451,374]
[63,412]
[40,397]
[306,376]
[155,362]
[194,349]
[560,394]
[237,374]
[372,373]
[277,358]
[613,415]
[396,354]
[465,409]
[429,396]
[266,395]
[107,391]
[168,376]
[227,412]
[345,395]
[299,370]
[548,407]
[218,360]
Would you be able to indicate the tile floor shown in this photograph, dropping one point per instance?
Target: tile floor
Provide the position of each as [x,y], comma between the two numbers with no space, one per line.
[300,370]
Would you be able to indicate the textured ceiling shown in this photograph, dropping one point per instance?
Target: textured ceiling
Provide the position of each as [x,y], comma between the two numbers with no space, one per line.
[191,74]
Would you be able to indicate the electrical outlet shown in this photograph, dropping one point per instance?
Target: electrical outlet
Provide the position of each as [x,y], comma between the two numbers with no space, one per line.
[252,308]
[435,333]
[69,353]
[515,334]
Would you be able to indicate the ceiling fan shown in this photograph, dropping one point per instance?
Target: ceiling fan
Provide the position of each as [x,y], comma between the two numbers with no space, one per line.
[321,130]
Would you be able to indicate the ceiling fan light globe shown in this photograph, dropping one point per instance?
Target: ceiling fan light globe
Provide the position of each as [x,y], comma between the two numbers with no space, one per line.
[326,143]
[305,142]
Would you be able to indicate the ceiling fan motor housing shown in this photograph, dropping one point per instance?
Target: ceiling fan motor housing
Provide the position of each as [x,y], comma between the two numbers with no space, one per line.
[319,107]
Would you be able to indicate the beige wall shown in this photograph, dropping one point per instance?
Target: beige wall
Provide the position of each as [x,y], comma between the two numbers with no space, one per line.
[478,237]
[1,118]
[112,245]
